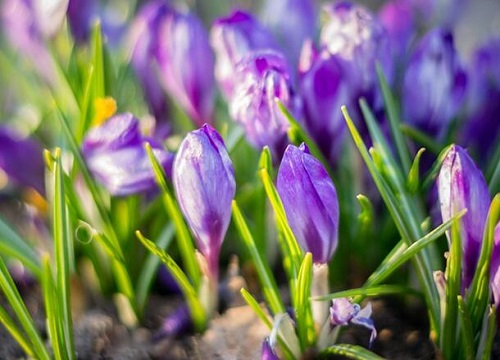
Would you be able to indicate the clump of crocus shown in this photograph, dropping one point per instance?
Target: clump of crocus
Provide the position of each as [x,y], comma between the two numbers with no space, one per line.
[262,78]
[186,65]
[205,186]
[115,155]
[233,38]
[434,84]
[461,185]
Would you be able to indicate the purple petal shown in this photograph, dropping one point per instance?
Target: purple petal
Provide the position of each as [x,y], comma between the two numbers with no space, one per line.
[204,183]
[176,324]
[310,202]
[342,311]
[363,318]
[267,351]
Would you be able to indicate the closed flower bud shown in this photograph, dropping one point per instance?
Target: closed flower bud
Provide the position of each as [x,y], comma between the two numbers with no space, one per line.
[263,77]
[186,65]
[203,178]
[233,38]
[21,160]
[461,185]
[115,155]
[434,84]
[310,201]
[325,88]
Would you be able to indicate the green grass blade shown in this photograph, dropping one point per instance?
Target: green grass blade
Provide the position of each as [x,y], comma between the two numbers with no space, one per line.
[11,244]
[99,84]
[269,287]
[466,329]
[63,251]
[303,312]
[16,302]
[195,307]
[15,332]
[150,267]
[50,297]
[349,351]
[367,291]
[186,246]
[423,139]
[394,121]
[487,335]
[413,181]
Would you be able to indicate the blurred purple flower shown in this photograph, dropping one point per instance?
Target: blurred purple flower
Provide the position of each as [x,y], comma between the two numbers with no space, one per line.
[115,155]
[355,35]
[263,77]
[324,88]
[292,29]
[175,324]
[144,42]
[21,160]
[344,312]
[203,178]
[267,351]
[483,103]
[186,65]
[310,201]
[461,185]
[434,84]
[432,13]
[495,270]
[232,39]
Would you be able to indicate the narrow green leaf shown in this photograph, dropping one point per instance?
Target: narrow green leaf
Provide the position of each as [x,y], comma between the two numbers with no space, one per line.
[423,139]
[269,287]
[63,250]
[413,181]
[99,84]
[367,291]
[487,335]
[266,160]
[186,246]
[11,244]
[195,307]
[86,105]
[15,332]
[304,320]
[349,351]
[16,302]
[466,329]
[430,179]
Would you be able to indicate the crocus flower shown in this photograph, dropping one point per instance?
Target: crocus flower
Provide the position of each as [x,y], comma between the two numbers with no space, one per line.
[186,65]
[291,30]
[344,312]
[461,185]
[268,352]
[203,178]
[263,77]
[232,39]
[483,101]
[434,84]
[324,88]
[143,40]
[310,201]
[21,160]
[175,324]
[355,35]
[115,155]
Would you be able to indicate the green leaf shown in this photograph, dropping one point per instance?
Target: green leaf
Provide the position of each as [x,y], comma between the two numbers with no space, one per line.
[195,307]
[413,180]
[186,246]
[99,83]
[487,334]
[367,291]
[466,329]
[423,139]
[266,159]
[15,332]
[349,351]
[269,287]
[11,244]
[19,308]
[366,216]
[304,320]
[63,251]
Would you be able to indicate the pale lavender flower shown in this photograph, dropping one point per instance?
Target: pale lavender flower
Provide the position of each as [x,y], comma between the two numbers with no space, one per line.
[461,185]
[434,84]
[310,201]
[344,312]
[203,178]
[115,155]
[262,78]
[186,65]
[232,39]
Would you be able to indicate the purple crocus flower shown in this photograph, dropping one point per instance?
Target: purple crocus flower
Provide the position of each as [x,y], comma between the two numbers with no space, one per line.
[434,84]
[186,65]
[343,312]
[263,77]
[203,178]
[461,185]
[324,88]
[144,40]
[175,324]
[268,352]
[483,102]
[115,155]
[355,35]
[310,201]
[14,153]
[232,39]
[291,30]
